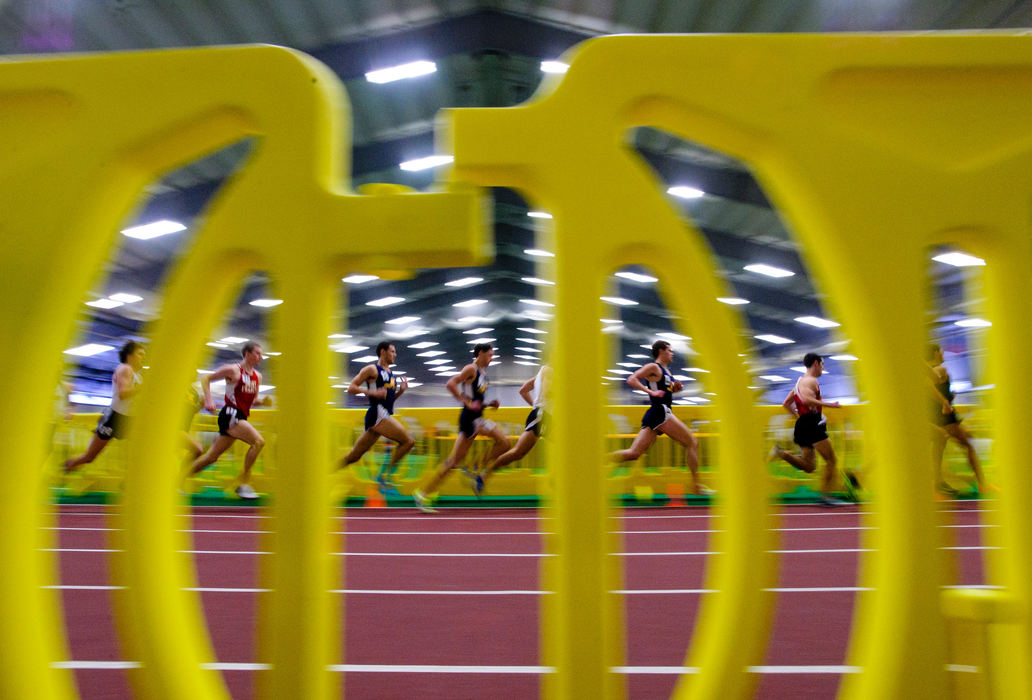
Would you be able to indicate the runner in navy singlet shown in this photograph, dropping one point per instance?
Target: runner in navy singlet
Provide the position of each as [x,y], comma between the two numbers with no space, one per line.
[380,385]
[468,387]
[656,381]
[242,385]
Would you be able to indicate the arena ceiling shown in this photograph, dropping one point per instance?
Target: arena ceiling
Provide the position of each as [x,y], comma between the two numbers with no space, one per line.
[488,53]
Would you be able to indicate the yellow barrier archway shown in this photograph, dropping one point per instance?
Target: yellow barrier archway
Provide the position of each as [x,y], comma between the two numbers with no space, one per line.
[874,147]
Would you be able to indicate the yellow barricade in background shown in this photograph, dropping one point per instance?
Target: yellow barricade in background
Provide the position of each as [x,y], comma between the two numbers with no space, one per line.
[873,146]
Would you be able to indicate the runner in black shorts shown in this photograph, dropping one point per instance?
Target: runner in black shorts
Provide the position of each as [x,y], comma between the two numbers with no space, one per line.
[114,422]
[469,387]
[811,429]
[535,392]
[382,388]
[948,426]
[656,381]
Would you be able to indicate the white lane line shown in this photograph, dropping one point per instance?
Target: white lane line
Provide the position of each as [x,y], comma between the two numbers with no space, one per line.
[511,554]
[519,592]
[480,670]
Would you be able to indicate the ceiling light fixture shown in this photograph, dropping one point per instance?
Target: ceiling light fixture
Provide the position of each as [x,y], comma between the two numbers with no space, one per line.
[958,259]
[424,344]
[554,67]
[732,301]
[266,303]
[685,192]
[469,302]
[532,330]
[104,304]
[768,270]
[88,350]
[400,320]
[413,69]
[145,232]
[385,301]
[125,298]
[537,280]
[536,302]
[619,301]
[425,163]
[537,252]
[775,339]
[359,279]
[636,277]
[816,321]
[464,282]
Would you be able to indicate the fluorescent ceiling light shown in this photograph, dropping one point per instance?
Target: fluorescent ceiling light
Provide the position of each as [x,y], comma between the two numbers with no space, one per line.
[773,377]
[816,321]
[642,357]
[768,270]
[535,302]
[88,350]
[627,364]
[523,349]
[619,371]
[845,358]
[611,320]
[350,349]
[470,302]
[385,301]
[269,353]
[495,362]
[674,336]
[464,282]
[537,315]
[776,339]
[554,67]
[531,330]
[400,320]
[266,302]
[636,277]
[973,323]
[526,363]
[684,378]
[431,353]
[685,192]
[619,301]
[125,298]
[104,304]
[364,358]
[424,344]
[266,387]
[359,279]
[733,301]
[231,339]
[338,335]
[405,70]
[532,341]
[528,357]
[481,340]
[539,215]
[413,385]
[145,232]
[471,319]
[217,345]
[537,280]
[538,253]
[695,369]
[958,259]
[477,331]
[425,163]
[613,328]
[438,361]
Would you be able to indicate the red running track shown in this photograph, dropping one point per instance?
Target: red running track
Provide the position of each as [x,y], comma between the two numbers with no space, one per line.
[406,605]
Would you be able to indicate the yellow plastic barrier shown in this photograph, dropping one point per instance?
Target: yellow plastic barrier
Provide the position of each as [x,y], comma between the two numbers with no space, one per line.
[82,136]
[873,147]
